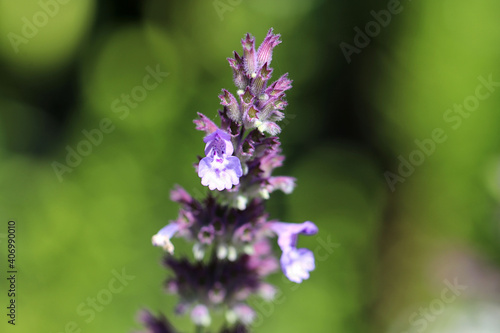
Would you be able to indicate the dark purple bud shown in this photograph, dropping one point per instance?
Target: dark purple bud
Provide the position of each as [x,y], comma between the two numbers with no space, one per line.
[229,101]
[265,52]
[155,325]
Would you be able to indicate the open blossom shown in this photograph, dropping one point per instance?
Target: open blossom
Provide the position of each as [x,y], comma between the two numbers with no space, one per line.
[295,263]
[219,170]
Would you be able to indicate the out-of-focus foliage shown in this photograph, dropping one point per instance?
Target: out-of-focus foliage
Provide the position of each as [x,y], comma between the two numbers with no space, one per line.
[402,212]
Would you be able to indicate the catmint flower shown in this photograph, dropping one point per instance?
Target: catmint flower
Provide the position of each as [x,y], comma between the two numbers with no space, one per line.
[219,170]
[295,263]
[162,238]
[230,231]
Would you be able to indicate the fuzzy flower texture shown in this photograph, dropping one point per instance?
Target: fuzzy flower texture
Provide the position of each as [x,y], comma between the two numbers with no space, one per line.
[230,229]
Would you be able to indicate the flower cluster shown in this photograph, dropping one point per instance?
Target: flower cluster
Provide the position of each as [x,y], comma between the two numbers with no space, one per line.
[230,228]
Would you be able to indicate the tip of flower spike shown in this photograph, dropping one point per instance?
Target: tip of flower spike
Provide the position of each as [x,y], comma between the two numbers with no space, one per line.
[249,55]
[248,42]
[265,51]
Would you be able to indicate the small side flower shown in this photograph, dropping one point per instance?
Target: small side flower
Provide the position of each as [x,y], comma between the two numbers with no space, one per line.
[162,238]
[295,263]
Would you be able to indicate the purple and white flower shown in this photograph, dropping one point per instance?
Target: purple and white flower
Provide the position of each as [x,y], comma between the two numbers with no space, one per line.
[295,263]
[219,170]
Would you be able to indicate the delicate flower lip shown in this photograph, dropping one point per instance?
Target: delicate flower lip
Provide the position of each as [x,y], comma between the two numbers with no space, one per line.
[162,238]
[220,175]
[297,263]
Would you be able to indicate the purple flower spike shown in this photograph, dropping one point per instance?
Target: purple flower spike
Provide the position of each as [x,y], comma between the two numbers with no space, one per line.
[162,238]
[230,231]
[218,170]
[297,263]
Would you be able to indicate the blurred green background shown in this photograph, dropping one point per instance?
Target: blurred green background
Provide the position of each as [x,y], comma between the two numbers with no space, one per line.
[391,130]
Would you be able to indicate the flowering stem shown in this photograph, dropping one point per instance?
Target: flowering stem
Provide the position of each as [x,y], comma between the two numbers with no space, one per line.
[232,219]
